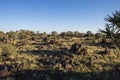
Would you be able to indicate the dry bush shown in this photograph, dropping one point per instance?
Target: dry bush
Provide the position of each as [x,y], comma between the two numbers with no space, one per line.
[8,49]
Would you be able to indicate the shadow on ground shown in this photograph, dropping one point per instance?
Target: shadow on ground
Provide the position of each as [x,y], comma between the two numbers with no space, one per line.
[60,75]
[52,74]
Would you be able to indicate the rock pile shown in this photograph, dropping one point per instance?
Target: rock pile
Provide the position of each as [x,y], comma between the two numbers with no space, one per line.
[78,48]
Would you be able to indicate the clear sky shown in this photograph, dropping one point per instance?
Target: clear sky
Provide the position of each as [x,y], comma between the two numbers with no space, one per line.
[58,15]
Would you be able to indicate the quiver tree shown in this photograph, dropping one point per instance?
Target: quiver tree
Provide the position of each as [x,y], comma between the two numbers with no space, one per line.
[76,33]
[25,36]
[89,34]
[82,35]
[1,36]
[63,34]
[112,28]
[54,33]
[98,36]
[70,33]
[13,36]
[5,39]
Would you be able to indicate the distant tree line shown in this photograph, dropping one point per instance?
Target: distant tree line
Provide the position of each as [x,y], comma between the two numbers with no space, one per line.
[111,31]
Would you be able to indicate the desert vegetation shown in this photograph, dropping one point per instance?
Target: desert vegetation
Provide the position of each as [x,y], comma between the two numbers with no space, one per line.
[29,55]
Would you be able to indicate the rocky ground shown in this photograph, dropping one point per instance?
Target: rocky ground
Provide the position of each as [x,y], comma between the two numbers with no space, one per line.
[63,59]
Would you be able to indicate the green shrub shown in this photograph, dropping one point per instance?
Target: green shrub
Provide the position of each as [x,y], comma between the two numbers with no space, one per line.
[8,49]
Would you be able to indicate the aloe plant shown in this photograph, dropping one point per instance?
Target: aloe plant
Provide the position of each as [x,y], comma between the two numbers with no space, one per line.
[112,28]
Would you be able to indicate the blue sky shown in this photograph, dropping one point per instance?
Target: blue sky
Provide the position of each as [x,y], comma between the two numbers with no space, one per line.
[55,15]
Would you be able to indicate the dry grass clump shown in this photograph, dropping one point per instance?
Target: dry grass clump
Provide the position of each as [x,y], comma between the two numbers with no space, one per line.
[7,49]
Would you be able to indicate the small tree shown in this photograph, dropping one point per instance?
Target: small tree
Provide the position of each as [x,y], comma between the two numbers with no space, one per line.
[89,34]
[54,33]
[63,34]
[82,35]
[77,34]
[1,36]
[98,36]
[13,36]
[112,28]
[70,33]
